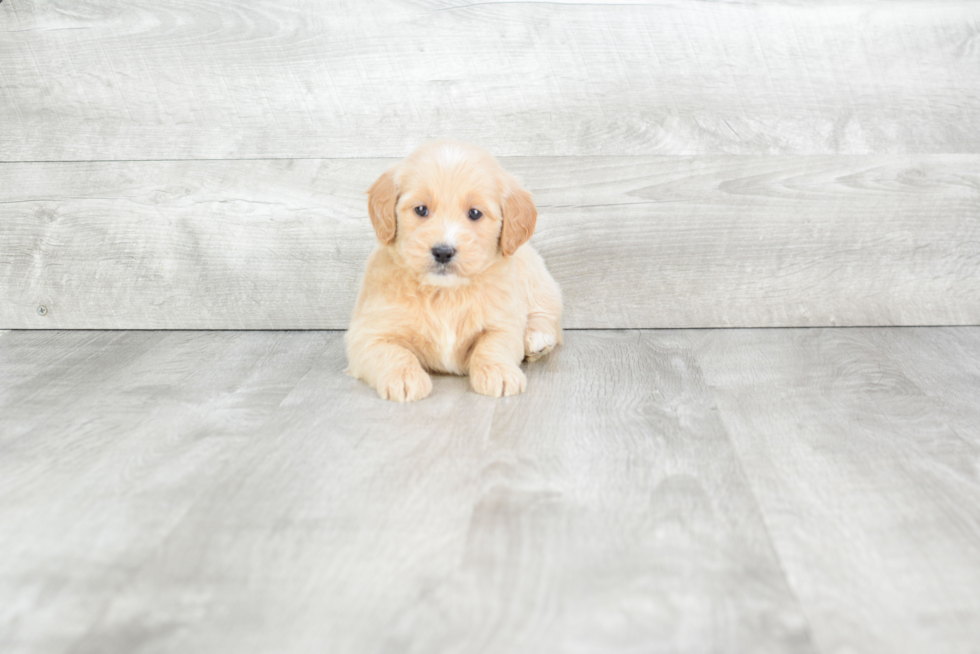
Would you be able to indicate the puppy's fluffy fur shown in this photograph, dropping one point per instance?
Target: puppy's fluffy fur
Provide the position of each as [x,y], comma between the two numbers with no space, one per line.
[491,305]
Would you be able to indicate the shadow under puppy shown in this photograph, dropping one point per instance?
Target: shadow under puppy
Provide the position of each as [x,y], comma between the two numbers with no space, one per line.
[453,286]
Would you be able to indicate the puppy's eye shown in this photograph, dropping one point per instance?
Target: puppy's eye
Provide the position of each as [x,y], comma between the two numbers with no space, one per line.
[422,211]
[475,214]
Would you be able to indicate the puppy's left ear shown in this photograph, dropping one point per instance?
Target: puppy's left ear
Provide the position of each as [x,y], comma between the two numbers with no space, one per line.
[382,197]
[520,216]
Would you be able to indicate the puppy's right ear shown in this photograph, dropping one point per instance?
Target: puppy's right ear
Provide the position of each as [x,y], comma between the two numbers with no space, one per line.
[382,197]
[520,215]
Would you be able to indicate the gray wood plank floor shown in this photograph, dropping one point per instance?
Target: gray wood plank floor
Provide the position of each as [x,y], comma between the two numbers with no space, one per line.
[808,490]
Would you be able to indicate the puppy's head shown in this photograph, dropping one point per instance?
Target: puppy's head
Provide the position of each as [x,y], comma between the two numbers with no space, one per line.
[450,211]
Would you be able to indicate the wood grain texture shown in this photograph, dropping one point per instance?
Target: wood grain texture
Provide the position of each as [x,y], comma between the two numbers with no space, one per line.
[294,78]
[108,440]
[871,498]
[204,492]
[954,384]
[634,241]
[614,464]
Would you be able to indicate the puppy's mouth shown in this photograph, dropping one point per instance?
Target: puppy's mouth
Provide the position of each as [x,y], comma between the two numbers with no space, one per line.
[444,274]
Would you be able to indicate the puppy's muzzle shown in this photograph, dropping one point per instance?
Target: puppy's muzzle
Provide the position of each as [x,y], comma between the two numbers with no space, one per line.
[443,253]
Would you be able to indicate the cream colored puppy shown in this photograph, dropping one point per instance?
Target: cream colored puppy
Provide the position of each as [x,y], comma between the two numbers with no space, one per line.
[452,285]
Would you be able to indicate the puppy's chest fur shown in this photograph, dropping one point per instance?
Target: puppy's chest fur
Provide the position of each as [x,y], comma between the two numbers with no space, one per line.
[447,339]
[440,326]
[449,324]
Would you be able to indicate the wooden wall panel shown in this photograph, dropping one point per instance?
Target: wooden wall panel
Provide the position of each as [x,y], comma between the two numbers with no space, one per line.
[293,78]
[634,241]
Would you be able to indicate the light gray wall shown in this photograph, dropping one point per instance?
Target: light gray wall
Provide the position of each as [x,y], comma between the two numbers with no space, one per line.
[195,165]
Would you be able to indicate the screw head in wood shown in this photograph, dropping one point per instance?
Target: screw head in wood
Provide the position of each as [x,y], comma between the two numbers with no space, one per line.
[42,310]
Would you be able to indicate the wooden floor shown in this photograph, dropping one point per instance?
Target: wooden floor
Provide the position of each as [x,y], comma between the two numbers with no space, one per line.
[798,490]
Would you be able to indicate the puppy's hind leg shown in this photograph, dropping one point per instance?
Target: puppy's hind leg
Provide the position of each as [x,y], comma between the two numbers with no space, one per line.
[543,331]
[542,335]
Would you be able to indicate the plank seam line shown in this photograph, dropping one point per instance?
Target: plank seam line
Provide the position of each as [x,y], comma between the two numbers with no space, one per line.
[551,4]
[567,329]
[815,155]
[758,507]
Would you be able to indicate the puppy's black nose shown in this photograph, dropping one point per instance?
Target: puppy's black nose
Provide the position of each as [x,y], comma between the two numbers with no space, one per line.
[443,253]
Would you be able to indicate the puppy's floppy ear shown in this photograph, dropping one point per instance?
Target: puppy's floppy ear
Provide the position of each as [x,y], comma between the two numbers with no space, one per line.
[382,197]
[520,216]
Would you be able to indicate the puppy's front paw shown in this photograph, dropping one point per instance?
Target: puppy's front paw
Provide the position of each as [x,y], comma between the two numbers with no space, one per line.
[498,380]
[406,384]
[537,344]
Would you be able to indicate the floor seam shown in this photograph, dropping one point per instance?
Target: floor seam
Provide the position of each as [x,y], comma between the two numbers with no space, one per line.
[755,500]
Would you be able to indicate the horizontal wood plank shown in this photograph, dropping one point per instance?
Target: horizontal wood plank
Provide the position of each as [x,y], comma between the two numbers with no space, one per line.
[634,241]
[295,78]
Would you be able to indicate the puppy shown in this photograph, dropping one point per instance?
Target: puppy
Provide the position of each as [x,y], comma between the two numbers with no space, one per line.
[452,286]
